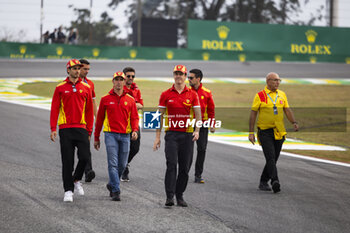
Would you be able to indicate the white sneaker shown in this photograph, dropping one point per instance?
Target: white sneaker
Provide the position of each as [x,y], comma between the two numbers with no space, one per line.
[78,188]
[68,196]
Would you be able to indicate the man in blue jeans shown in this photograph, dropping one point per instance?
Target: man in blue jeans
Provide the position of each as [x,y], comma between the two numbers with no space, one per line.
[118,114]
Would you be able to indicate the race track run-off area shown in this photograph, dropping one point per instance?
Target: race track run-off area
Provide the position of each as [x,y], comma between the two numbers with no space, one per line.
[9,92]
[314,196]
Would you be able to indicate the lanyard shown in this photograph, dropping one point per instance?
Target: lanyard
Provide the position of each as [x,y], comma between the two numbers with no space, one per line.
[274,103]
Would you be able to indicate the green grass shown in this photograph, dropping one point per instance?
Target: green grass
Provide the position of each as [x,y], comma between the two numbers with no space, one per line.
[314,106]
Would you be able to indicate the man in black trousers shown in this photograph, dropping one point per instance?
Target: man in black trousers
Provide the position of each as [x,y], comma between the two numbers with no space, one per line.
[270,103]
[208,114]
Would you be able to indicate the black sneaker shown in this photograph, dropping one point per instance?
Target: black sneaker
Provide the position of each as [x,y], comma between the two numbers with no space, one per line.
[181,202]
[169,202]
[115,196]
[125,177]
[109,187]
[89,176]
[198,179]
[276,187]
[264,186]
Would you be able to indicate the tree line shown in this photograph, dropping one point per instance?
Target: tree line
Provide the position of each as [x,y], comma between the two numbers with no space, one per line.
[104,32]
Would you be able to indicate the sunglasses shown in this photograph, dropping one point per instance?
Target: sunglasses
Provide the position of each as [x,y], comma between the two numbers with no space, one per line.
[190,78]
[276,80]
[130,76]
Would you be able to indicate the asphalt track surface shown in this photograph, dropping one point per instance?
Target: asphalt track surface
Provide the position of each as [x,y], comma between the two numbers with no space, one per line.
[314,197]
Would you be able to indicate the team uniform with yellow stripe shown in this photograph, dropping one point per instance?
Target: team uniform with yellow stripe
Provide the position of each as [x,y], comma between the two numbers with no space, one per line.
[92,86]
[206,101]
[72,106]
[135,92]
[72,109]
[208,112]
[117,114]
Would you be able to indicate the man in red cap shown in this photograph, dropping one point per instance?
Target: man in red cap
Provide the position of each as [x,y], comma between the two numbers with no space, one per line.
[73,109]
[118,114]
[132,89]
[179,102]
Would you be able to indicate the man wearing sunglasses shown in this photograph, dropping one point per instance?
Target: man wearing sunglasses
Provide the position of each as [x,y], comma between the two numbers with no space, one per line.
[84,71]
[72,110]
[208,113]
[132,89]
[270,103]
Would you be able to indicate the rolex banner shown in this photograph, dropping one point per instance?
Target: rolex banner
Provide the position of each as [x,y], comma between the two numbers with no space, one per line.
[282,42]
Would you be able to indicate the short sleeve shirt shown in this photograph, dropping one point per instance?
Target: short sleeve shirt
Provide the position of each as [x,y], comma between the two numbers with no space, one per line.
[179,108]
[263,103]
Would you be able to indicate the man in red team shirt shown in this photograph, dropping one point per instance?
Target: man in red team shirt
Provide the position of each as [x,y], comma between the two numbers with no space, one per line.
[118,114]
[208,113]
[84,71]
[179,102]
[132,89]
[72,107]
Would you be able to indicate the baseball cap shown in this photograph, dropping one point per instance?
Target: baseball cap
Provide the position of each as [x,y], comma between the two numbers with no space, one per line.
[118,74]
[73,62]
[180,68]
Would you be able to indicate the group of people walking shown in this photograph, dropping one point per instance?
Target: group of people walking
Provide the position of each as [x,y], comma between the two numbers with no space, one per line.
[74,107]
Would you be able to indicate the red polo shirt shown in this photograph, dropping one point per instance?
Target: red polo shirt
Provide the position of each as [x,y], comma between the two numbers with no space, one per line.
[92,86]
[135,92]
[117,114]
[206,101]
[72,109]
[179,108]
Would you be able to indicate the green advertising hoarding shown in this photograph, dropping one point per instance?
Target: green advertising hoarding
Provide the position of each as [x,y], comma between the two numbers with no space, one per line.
[63,51]
[284,41]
